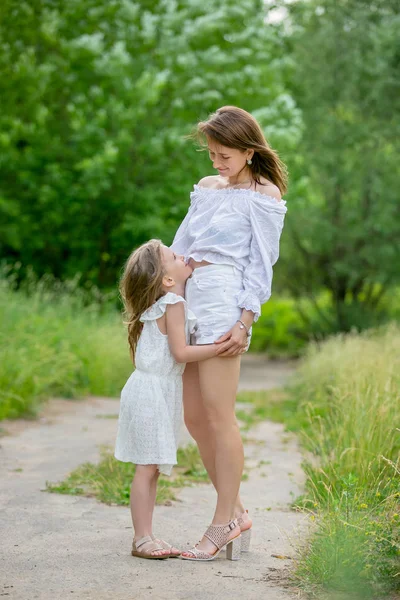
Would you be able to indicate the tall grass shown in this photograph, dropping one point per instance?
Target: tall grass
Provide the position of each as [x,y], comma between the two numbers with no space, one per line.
[348,408]
[350,392]
[57,340]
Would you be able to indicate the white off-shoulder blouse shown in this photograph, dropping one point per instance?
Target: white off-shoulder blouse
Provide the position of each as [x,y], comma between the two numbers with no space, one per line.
[238,227]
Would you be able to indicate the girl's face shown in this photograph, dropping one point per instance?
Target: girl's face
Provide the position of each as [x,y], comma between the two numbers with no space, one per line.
[228,161]
[175,266]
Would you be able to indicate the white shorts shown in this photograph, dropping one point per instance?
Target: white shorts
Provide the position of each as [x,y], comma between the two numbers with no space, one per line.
[211,294]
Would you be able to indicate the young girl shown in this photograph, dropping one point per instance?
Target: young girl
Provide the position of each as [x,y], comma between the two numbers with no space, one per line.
[159,326]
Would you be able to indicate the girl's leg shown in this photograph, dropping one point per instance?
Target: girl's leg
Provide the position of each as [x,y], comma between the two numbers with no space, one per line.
[198,425]
[142,502]
[152,497]
[153,493]
[218,379]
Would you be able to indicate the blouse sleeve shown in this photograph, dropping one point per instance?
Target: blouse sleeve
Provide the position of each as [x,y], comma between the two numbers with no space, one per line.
[266,219]
[180,243]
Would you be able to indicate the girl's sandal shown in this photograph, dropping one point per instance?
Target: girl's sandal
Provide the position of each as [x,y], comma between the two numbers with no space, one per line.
[219,536]
[144,547]
[173,552]
[245,524]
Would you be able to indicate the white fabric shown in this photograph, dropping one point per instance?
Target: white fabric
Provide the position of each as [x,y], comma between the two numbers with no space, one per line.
[235,227]
[210,292]
[151,400]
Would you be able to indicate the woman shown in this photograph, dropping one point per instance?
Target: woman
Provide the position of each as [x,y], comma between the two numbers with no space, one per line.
[231,238]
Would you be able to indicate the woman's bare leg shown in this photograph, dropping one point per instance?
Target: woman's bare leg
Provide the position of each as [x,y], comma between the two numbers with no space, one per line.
[196,418]
[198,425]
[218,380]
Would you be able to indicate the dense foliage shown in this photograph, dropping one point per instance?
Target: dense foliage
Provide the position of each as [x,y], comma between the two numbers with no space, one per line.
[345,221]
[97,99]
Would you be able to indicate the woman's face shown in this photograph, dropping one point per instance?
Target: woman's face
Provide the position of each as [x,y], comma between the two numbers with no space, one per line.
[228,161]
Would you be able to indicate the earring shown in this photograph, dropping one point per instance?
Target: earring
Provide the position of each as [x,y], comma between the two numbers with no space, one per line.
[249,161]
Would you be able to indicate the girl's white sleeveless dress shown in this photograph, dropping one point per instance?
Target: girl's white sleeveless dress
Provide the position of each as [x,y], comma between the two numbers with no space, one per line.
[151,401]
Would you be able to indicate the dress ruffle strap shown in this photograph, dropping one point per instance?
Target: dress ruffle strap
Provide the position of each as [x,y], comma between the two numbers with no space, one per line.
[158,309]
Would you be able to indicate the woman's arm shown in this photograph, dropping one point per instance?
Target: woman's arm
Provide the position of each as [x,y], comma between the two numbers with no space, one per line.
[266,217]
[182,352]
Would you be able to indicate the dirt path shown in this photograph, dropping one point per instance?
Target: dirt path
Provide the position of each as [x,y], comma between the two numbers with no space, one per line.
[57,547]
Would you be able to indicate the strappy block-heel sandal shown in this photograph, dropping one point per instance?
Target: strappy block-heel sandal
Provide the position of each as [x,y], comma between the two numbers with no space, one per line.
[219,536]
[144,547]
[245,524]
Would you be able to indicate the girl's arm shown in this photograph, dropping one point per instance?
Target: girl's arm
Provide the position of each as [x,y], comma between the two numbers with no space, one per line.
[175,318]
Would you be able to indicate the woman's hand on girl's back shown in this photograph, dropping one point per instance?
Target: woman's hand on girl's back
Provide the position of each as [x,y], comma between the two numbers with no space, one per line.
[234,342]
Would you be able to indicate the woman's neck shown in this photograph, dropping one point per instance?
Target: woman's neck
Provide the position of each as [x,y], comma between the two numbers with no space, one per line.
[244,176]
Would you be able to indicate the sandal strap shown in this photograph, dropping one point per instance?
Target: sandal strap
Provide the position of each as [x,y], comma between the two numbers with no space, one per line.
[219,534]
[167,546]
[163,543]
[199,553]
[145,540]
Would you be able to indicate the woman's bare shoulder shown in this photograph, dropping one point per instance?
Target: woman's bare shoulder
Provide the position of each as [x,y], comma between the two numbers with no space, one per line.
[268,189]
[211,181]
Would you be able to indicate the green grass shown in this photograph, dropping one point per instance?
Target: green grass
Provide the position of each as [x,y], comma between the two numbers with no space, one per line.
[273,405]
[345,407]
[110,480]
[57,340]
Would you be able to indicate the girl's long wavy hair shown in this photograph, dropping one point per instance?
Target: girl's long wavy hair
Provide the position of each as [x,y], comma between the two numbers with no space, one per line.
[236,128]
[141,286]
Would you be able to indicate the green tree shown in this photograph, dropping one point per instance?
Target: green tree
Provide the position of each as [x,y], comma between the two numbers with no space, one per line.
[344,220]
[97,96]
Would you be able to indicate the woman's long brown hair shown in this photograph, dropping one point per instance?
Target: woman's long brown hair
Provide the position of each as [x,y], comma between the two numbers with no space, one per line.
[233,127]
[141,286]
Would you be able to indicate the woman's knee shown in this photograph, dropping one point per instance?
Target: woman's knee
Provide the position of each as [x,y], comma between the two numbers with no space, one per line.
[196,423]
[223,422]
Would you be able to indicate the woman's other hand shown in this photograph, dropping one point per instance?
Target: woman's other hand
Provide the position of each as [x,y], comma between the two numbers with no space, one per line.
[234,342]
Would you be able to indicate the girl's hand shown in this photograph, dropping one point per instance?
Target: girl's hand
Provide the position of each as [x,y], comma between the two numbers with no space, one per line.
[233,343]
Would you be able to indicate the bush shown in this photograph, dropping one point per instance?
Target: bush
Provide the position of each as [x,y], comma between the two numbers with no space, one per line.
[279,330]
